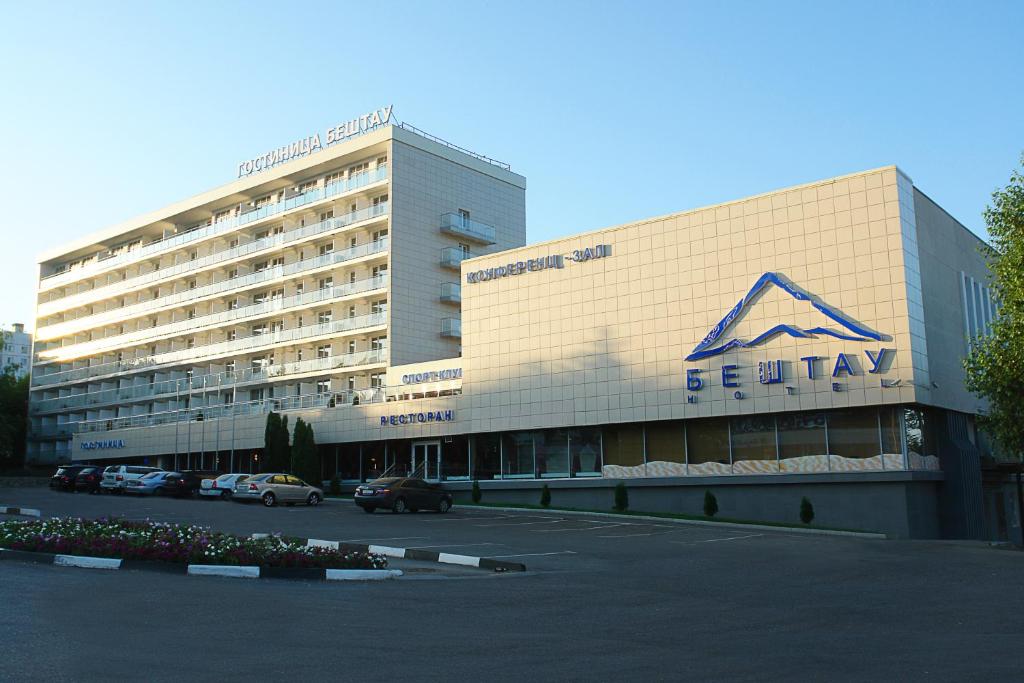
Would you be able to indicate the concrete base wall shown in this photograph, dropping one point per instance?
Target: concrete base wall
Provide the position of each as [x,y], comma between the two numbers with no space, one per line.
[899,504]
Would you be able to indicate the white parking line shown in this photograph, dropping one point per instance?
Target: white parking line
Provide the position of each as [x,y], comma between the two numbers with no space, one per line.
[653,533]
[559,552]
[588,528]
[546,521]
[716,540]
[466,519]
[454,545]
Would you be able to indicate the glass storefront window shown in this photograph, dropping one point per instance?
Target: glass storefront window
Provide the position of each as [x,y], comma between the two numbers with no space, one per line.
[921,451]
[802,442]
[455,459]
[373,460]
[585,452]
[666,449]
[486,456]
[753,444]
[517,455]
[348,462]
[892,444]
[552,450]
[707,446]
[623,450]
[853,440]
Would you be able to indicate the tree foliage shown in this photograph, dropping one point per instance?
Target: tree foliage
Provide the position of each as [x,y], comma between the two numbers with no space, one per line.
[806,510]
[477,494]
[995,364]
[621,497]
[304,462]
[710,504]
[13,419]
[545,496]
[276,451]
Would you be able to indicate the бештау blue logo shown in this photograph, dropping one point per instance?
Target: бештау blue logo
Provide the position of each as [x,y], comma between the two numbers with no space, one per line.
[715,342]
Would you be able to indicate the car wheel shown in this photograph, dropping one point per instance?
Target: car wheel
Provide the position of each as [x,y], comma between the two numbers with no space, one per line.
[159,491]
[369,510]
[225,495]
[314,499]
[444,506]
[399,506]
[269,499]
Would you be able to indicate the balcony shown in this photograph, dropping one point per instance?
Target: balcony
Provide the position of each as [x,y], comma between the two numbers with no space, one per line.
[208,352]
[205,232]
[182,269]
[239,283]
[461,226]
[451,293]
[452,257]
[213,320]
[451,327]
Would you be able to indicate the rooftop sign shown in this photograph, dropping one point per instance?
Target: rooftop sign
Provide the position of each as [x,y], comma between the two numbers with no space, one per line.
[313,143]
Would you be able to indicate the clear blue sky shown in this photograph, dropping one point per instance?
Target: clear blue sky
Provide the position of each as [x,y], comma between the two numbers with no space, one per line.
[112,110]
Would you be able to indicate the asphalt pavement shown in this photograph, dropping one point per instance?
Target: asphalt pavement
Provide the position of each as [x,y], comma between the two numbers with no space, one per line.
[602,599]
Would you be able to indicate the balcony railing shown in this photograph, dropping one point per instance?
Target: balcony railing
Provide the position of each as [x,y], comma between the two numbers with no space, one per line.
[461,226]
[274,306]
[201,414]
[451,292]
[209,351]
[246,281]
[208,383]
[219,228]
[181,269]
[451,327]
[452,257]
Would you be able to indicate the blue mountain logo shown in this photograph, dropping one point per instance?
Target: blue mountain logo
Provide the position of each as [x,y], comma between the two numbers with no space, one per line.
[714,343]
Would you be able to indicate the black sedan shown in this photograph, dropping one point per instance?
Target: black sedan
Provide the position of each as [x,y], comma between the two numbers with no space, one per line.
[186,483]
[64,478]
[403,493]
[89,478]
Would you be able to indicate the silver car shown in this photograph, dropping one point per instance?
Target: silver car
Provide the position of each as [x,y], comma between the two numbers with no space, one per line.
[273,488]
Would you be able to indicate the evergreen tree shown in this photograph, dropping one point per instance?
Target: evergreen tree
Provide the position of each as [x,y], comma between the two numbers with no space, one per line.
[621,497]
[270,441]
[545,496]
[995,360]
[806,511]
[710,504]
[477,494]
[304,461]
[13,419]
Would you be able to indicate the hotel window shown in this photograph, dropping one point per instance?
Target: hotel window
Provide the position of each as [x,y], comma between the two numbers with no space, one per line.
[324,351]
[152,350]
[262,201]
[464,215]
[260,267]
[352,243]
[378,235]
[256,394]
[190,343]
[352,207]
[324,317]
[707,446]
[380,306]
[377,380]
[279,261]
[262,234]
[853,435]
[232,304]
[358,168]
[802,442]
[323,386]
[307,186]
[233,243]
[379,270]
[260,362]
[382,199]
[298,354]
[352,278]
[351,346]
[351,311]
[191,284]
[222,215]
[278,230]
[277,326]
[378,343]
[232,335]
[664,442]
[518,455]
[351,383]
[585,451]
[382,161]
[192,256]
[754,449]
[191,313]
[277,294]
[259,329]
[327,283]
[326,215]
[229,367]
[189,374]
[327,248]
[259,298]
[152,322]
[335,177]
[233,273]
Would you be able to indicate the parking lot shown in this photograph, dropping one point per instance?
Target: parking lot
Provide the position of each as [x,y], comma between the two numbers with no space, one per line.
[602,597]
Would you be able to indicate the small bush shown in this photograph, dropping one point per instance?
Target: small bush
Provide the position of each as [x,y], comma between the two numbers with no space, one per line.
[545,496]
[335,488]
[621,497]
[806,511]
[477,495]
[710,504]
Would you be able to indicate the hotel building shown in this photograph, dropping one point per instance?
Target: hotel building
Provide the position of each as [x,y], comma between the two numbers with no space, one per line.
[803,342]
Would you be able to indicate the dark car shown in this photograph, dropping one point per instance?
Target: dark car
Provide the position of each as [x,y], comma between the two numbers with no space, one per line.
[399,494]
[89,478]
[64,479]
[187,482]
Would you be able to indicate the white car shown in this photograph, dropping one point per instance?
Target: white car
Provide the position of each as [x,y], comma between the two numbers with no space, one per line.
[221,487]
[115,477]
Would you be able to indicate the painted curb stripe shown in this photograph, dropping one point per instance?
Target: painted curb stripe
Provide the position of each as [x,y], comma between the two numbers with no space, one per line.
[223,570]
[26,556]
[317,543]
[362,574]
[28,512]
[463,560]
[387,551]
[87,562]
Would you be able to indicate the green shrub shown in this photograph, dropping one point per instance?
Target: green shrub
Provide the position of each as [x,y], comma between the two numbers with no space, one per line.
[710,504]
[806,511]
[621,497]
[545,496]
[335,485]
[477,494]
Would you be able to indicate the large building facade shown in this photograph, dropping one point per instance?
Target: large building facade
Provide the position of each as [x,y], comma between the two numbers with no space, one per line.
[804,342]
[16,353]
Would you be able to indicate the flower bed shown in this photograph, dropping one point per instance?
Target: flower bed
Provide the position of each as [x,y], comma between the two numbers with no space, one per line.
[174,543]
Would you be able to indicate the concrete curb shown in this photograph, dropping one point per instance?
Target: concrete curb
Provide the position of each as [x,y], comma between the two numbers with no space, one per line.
[696,522]
[415,554]
[27,512]
[233,571]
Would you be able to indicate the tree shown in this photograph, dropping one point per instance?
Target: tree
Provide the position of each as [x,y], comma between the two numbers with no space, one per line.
[276,451]
[545,496]
[477,494]
[621,497]
[710,504]
[13,419]
[995,361]
[806,511]
[304,462]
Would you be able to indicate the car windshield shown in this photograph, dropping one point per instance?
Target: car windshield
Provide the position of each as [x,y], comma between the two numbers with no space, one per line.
[154,475]
[87,470]
[61,470]
[225,477]
[259,477]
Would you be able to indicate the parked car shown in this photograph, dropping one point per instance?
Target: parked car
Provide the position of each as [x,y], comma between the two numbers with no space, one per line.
[221,487]
[186,482]
[399,494]
[152,484]
[64,478]
[273,488]
[116,477]
[89,478]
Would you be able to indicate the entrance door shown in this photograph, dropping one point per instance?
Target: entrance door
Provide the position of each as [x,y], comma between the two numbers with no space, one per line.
[426,460]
